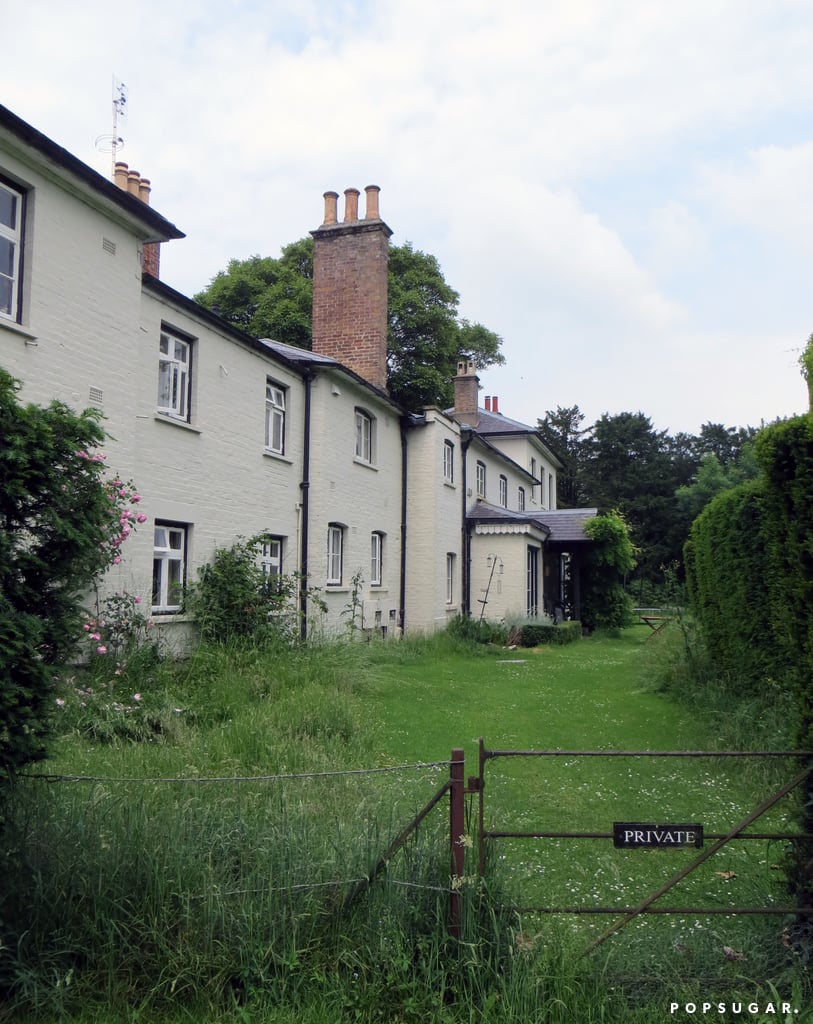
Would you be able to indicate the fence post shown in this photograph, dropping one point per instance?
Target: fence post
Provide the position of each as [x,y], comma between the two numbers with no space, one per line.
[457,829]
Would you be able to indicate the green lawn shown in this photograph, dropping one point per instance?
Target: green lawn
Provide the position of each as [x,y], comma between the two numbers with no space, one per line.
[594,695]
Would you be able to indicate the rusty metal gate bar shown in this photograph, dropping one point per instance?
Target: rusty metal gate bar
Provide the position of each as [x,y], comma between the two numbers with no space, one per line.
[645,907]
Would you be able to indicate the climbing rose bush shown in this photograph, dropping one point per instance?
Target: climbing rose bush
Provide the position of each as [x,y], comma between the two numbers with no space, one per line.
[62,525]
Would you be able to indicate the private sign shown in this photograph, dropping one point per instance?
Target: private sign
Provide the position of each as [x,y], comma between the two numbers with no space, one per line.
[632,835]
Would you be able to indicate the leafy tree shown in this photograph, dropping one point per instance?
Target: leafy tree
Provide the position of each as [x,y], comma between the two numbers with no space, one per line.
[61,526]
[562,432]
[627,465]
[712,478]
[274,297]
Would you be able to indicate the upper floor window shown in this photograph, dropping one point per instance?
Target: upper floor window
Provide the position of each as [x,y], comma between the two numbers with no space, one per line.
[274,418]
[481,479]
[168,566]
[448,462]
[376,559]
[551,491]
[174,375]
[504,491]
[521,499]
[365,439]
[335,553]
[533,474]
[11,240]
[450,576]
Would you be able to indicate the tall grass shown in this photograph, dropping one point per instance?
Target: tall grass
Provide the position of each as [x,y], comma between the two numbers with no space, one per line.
[127,898]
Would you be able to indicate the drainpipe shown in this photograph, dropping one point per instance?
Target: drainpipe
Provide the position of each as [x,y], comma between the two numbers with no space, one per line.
[305,488]
[465,545]
[403,525]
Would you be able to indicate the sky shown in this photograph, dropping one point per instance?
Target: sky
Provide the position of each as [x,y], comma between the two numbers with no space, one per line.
[621,189]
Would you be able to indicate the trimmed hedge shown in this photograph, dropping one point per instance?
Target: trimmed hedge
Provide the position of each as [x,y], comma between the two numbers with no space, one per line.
[534,634]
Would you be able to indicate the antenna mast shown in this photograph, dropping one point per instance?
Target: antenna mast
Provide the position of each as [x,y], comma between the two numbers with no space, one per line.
[113,143]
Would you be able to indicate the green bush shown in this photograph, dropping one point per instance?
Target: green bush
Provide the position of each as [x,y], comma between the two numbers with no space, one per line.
[605,604]
[62,523]
[533,634]
[234,599]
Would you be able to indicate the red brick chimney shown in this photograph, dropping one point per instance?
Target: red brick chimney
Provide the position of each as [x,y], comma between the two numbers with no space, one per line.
[466,387]
[350,286]
[132,182]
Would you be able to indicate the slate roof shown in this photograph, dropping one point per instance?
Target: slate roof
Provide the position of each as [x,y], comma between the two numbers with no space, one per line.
[563,525]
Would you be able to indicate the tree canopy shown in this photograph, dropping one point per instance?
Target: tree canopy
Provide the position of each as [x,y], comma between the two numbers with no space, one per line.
[273,298]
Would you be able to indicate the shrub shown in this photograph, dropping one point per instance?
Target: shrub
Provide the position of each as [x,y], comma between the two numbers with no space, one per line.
[234,599]
[605,603]
[532,634]
[62,524]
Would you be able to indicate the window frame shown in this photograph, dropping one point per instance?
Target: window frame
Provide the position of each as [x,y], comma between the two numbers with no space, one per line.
[521,499]
[451,563]
[180,390]
[376,558]
[335,555]
[503,490]
[448,462]
[162,558]
[270,565]
[276,396]
[480,478]
[15,235]
[365,437]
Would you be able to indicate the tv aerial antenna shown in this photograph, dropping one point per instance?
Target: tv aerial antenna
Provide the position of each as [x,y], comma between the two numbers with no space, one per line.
[114,142]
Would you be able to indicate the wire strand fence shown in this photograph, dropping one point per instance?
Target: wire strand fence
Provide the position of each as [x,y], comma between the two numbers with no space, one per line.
[260,835]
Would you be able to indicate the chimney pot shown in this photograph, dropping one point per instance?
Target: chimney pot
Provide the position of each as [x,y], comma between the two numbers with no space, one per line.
[495,404]
[371,212]
[488,403]
[133,182]
[144,190]
[331,213]
[351,205]
[120,174]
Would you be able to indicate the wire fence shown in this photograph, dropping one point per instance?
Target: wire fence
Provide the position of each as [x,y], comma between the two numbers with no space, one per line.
[310,832]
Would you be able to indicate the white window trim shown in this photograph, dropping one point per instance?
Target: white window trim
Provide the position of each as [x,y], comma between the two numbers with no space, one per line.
[376,558]
[165,555]
[450,575]
[275,403]
[503,490]
[15,235]
[335,555]
[448,462]
[480,478]
[365,437]
[521,499]
[174,396]
[270,556]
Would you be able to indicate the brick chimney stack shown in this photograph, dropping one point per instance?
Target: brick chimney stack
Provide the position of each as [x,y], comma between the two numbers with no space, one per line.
[132,182]
[350,286]
[466,387]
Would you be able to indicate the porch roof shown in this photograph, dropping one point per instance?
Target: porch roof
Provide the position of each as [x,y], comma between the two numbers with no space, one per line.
[561,525]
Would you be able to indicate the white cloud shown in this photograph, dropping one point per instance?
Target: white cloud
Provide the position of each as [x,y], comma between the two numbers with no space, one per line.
[569,164]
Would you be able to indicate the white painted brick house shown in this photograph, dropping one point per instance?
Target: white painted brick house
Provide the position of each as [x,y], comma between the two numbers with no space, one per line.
[407,519]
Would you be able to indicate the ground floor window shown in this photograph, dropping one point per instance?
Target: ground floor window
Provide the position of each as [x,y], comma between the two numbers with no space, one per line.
[532,582]
[376,559]
[168,566]
[270,557]
[335,546]
[450,574]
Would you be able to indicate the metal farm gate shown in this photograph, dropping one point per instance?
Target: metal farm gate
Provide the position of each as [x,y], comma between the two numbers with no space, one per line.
[624,834]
